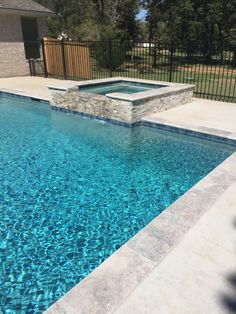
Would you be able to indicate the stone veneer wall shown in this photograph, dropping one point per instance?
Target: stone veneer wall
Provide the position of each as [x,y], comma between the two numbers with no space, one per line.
[116,109]
[12,51]
[143,108]
[91,104]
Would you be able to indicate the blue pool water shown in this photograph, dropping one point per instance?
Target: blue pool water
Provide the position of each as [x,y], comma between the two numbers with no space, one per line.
[118,87]
[73,190]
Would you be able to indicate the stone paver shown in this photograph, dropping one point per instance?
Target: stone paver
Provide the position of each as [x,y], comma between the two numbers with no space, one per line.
[201,112]
[195,277]
[31,86]
[118,275]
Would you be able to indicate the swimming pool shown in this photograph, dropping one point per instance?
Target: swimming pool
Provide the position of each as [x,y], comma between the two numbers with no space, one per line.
[125,87]
[73,190]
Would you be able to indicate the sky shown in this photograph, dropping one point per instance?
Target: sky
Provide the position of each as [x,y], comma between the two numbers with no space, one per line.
[142,14]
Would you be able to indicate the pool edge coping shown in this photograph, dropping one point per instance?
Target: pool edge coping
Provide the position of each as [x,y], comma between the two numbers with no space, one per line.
[21,94]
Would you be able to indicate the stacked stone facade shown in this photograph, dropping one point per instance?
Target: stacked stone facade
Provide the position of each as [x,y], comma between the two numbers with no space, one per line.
[130,112]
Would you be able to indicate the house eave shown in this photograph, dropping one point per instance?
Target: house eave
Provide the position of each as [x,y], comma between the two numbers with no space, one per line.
[26,12]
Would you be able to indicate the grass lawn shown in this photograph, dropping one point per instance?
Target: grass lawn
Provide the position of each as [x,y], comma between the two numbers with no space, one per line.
[211,81]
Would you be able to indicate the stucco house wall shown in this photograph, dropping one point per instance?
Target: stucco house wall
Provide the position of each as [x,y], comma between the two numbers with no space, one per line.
[12,51]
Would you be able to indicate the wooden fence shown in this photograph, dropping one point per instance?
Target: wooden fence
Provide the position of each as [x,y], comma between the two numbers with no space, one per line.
[67,59]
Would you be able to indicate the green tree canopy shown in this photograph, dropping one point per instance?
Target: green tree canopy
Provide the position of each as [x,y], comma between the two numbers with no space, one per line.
[186,21]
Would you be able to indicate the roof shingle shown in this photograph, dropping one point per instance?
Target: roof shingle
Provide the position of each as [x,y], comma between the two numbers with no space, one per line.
[24,5]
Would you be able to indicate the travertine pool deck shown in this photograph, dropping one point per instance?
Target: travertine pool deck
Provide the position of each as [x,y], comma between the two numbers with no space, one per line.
[31,86]
[208,116]
[213,114]
[198,275]
[184,261]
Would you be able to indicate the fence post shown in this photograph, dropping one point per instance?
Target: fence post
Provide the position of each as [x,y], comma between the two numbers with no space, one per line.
[44,59]
[171,60]
[63,59]
[110,56]
[32,67]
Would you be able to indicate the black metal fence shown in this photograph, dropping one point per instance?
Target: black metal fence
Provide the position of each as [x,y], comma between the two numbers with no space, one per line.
[212,70]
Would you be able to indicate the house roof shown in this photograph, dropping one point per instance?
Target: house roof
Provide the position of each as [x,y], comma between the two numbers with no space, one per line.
[28,7]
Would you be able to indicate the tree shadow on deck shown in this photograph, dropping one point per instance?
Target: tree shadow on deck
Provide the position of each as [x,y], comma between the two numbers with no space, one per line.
[229,299]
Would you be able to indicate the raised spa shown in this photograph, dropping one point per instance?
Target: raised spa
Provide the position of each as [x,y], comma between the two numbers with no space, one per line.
[122,100]
[123,87]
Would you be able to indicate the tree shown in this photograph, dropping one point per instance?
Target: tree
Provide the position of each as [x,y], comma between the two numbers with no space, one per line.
[116,19]
[192,23]
[153,18]
[68,15]
[104,19]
